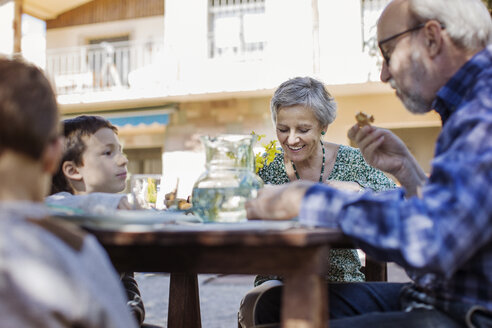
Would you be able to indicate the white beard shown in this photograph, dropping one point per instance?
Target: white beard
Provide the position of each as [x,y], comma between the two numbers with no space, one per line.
[413,99]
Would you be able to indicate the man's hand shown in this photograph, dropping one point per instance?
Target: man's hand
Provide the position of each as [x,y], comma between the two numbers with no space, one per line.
[380,147]
[385,151]
[281,202]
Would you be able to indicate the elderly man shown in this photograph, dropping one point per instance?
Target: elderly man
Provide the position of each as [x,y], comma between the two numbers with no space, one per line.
[437,56]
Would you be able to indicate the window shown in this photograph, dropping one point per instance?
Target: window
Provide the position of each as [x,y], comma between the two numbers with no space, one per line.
[109,59]
[371,10]
[236,27]
[143,161]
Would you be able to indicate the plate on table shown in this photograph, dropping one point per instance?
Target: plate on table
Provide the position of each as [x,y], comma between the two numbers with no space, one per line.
[132,220]
[253,225]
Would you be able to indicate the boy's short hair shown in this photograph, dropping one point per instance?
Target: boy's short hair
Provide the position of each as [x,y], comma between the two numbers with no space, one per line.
[28,109]
[74,130]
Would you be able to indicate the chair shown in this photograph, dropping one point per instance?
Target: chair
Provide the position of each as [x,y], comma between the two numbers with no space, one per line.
[246,315]
[373,270]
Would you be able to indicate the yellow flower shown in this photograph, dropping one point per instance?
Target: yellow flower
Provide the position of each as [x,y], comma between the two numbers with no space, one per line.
[259,162]
[258,136]
[151,191]
[270,152]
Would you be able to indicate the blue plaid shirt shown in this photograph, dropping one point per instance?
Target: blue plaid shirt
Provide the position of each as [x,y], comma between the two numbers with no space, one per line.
[444,238]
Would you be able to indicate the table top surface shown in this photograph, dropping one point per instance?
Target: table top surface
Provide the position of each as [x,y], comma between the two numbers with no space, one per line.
[297,237]
[133,228]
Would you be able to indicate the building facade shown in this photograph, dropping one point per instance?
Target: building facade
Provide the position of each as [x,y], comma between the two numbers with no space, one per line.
[168,71]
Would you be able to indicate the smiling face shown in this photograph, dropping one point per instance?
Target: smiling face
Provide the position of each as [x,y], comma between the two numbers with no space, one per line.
[104,164]
[299,132]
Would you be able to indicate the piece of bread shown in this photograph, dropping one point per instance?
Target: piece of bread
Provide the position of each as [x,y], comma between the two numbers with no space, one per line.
[183,204]
[363,119]
[172,201]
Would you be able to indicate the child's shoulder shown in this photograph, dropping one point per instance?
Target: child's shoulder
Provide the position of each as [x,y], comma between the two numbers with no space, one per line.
[93,203]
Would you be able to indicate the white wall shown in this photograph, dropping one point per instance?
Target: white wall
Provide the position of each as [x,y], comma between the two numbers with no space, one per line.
[185,42]
[341,57]
[186,166]
[290,38]
[147,28]
[34,40]
[186,28]
[6,30]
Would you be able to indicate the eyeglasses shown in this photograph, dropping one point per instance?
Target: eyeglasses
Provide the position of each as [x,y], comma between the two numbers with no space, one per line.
[385,54]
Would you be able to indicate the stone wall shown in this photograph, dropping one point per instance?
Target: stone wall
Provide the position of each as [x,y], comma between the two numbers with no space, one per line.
[194,119]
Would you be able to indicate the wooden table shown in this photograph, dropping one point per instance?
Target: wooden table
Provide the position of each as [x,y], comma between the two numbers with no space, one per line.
[297,254]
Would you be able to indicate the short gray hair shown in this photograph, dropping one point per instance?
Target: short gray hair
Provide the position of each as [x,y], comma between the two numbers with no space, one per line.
[467,22]
[307,92]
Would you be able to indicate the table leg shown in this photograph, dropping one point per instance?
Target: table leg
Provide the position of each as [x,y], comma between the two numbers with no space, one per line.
[305,294]
[184,301]
[304,302]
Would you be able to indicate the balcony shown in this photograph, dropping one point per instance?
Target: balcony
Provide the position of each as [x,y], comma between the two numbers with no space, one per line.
[101,67]
[134,69]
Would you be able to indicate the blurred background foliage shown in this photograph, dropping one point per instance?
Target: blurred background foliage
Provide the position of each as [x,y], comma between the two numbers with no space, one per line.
[489,5]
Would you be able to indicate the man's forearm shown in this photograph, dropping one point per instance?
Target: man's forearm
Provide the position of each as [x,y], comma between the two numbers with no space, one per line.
[411,176]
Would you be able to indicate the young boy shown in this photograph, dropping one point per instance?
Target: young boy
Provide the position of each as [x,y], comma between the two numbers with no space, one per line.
[91,172]
[51,273]
[93,165]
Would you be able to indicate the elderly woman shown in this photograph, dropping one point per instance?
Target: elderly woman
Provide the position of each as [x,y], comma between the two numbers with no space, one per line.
[302,110]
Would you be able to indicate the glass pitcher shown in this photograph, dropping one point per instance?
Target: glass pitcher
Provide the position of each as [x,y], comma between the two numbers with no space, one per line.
[229,181]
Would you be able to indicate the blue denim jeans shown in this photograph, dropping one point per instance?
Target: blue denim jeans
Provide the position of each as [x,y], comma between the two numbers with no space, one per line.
[380,304]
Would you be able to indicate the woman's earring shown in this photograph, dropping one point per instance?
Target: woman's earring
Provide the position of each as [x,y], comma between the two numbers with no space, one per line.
[323,133]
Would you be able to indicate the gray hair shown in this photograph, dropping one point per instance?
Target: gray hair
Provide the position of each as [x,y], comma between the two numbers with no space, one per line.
[467,22]
[307,92]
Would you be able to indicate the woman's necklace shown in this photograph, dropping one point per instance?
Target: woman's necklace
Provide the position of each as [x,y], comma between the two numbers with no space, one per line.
[322,165]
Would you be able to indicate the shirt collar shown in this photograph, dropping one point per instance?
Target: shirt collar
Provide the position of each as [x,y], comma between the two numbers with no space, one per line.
[450,96]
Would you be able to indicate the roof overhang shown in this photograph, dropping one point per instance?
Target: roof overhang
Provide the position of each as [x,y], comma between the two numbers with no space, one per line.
[114,101]
[135,117]
[50,9]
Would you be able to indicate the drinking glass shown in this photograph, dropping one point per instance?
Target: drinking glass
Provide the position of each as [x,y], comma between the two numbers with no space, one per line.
[147,192]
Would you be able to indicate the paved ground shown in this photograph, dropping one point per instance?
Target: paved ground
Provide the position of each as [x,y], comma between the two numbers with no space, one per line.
[219,296]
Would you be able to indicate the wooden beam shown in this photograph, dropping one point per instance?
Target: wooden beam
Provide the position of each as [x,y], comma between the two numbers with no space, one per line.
[17,26]
[101,11]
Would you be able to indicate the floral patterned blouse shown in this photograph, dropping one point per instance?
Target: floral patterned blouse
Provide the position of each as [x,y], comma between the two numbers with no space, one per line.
[349,166]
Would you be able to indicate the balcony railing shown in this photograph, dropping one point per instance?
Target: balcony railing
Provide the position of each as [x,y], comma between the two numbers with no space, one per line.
[104,66]
[148,69]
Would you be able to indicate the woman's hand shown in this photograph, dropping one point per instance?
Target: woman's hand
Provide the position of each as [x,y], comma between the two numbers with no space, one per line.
[281,202]
[344,185]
